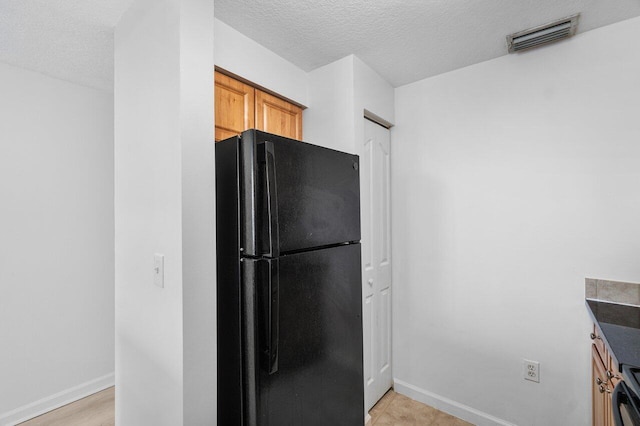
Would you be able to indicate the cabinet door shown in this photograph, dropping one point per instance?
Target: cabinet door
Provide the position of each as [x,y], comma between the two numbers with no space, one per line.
[277,116]
[235,106]
[600,390]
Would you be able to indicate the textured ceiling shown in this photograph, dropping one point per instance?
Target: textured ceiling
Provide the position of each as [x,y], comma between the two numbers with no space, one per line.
[68,39]
[403,40]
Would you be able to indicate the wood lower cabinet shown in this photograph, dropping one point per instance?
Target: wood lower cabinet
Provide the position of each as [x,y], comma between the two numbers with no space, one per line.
[600,391]
[240,106]
[604,377]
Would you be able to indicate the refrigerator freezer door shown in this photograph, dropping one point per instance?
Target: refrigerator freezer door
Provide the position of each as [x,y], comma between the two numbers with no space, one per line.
[296,196]
[319,377]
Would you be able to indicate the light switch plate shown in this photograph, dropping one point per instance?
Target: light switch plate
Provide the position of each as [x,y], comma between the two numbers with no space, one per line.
[158,270]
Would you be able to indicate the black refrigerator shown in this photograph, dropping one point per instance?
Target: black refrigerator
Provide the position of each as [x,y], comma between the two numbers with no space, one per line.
[288,283]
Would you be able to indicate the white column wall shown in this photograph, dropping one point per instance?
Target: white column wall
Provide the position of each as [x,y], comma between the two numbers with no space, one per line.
[198,213]
[163,204]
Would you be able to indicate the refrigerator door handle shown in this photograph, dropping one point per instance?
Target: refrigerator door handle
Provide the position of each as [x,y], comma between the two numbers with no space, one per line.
[272,320]
[271,202]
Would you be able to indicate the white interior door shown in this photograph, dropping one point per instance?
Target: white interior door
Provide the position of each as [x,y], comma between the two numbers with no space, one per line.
[376,261]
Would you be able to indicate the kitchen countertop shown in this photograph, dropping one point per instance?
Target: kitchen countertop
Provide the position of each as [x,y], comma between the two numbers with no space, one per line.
[619,327]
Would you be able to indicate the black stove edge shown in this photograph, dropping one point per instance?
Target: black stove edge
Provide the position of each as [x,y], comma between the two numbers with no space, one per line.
[630,375]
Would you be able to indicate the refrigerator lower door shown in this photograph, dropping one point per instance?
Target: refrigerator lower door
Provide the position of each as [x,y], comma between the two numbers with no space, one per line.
[319,377]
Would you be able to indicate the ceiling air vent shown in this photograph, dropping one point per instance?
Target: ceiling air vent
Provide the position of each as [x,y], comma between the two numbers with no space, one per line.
[544,34]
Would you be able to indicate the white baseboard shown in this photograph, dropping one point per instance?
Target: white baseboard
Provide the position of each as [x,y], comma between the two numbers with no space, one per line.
[34,409]
[367,420]
[447,405]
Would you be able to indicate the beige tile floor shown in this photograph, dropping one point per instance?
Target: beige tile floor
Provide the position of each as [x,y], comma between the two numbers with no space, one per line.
[392,410]
[395,409]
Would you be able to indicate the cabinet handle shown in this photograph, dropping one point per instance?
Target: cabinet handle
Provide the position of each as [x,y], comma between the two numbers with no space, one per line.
[602,389]
[594,336]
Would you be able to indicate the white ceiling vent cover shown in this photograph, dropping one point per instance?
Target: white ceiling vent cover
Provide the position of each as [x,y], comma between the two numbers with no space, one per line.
[544,34]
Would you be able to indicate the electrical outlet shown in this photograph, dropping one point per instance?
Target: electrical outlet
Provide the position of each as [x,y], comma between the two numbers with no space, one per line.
[532,370]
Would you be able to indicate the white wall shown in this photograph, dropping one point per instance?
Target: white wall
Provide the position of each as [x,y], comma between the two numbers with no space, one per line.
[56,249]
[338,95]
[244,57]
[198,213]
[328,121]
[513,180]
[372,93]
[163,204]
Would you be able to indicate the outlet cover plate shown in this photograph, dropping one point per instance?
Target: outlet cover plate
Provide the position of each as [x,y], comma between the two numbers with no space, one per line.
[532,370]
